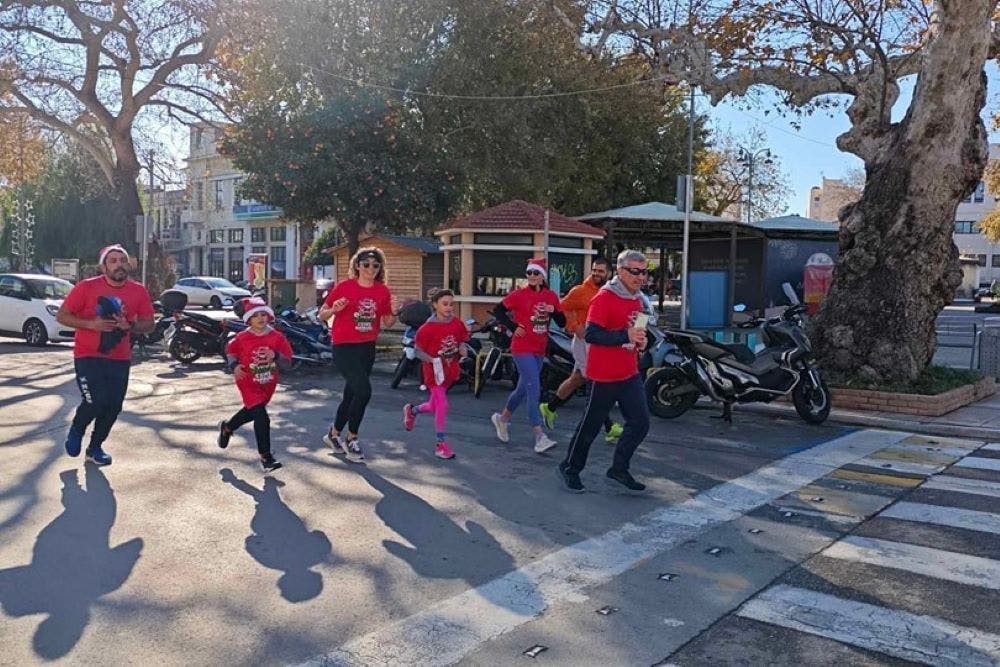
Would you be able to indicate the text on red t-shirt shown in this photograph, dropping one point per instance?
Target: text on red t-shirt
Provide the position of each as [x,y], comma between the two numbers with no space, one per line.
[527,308]
[361,319]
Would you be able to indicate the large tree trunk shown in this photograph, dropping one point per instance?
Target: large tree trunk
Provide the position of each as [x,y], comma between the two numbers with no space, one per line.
[898,265]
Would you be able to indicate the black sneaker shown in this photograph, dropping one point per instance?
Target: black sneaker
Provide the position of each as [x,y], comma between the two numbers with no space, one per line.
[224,435]
[625,479]
[98,456]
[570,480]
[269,463]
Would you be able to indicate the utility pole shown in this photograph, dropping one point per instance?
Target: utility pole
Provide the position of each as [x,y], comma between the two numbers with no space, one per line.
[748,159]
[688,193]
[147,220]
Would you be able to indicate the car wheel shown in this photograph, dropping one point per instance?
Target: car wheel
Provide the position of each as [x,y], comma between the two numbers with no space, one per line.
[215,303]
[35,333]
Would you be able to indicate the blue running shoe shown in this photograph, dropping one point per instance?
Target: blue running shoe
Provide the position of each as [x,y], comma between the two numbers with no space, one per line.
[98,456]
[73,442]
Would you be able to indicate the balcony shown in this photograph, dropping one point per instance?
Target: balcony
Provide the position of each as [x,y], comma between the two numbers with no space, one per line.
[256,212]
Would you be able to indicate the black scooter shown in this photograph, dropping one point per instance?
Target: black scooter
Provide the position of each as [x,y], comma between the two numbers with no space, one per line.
[729,373]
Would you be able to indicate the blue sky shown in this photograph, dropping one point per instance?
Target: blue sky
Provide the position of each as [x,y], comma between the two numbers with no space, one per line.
[811,152]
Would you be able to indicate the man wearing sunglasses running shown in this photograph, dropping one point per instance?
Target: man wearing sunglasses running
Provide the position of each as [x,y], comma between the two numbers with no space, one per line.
[616,335]
[360,306]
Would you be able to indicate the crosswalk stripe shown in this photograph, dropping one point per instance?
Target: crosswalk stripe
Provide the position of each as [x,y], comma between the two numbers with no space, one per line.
[993,447]
[985,522]
[877,462]
[979,487]
[923,639]
[875,478]
[936,563]
[979,463]
[447,630]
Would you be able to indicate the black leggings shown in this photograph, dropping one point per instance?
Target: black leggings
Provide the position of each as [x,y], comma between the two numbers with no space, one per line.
[261,426]
[102,383]
[355,361]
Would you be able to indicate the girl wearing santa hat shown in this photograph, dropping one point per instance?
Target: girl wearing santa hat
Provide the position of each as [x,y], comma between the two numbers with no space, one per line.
[527,312]
[254,355]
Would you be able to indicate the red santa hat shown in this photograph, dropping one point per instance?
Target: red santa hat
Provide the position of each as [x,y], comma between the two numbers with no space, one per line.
[254,305]
[107,250]
[536,264]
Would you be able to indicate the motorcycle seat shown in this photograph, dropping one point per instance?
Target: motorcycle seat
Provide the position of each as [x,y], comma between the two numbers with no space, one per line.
[760,364]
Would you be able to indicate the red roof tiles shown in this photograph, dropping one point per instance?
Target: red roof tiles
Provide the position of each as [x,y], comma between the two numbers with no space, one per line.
[519,214]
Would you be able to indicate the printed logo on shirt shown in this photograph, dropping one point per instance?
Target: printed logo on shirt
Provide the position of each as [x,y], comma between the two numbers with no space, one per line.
[540,318]
[364,316]
[449,348]
[262,365]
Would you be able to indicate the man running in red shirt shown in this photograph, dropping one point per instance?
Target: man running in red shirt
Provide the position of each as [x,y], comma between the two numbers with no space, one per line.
[616,335]
[104,310]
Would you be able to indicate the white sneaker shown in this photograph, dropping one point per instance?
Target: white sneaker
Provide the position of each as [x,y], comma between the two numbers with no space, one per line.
[501,426]
[333,442]
[544,443]
[354,452]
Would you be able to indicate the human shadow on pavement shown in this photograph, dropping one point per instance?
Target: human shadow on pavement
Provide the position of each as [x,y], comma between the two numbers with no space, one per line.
[72,565]
[443,549]
[281,541]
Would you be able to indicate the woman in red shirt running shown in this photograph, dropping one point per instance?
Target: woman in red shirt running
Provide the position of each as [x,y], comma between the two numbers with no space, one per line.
[360,306]
[440,342]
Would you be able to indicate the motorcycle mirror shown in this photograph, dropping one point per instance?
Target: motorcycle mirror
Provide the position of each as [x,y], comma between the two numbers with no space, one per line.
[793,298]
[739,307]
[471,321]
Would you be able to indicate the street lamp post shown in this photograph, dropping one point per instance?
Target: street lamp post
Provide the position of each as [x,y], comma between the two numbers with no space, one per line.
[748,159]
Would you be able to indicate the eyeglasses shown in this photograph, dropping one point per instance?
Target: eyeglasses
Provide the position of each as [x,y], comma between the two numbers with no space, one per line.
[532,272]
[370,265]
[636,272]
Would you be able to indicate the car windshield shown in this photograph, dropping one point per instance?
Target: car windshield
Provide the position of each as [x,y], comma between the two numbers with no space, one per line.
[219,283]
[48,288]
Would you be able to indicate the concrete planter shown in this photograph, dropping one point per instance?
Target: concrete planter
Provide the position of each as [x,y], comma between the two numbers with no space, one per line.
[913,404]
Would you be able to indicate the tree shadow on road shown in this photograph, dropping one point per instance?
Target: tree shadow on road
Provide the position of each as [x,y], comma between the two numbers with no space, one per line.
[72,565]
[280,540]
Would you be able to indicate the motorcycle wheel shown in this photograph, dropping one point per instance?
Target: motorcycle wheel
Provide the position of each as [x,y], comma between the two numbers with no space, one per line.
[660,403]
[183,352]
[402,367]
[812,403]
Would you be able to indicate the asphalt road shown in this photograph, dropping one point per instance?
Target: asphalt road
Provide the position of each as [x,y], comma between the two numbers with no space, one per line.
[181,553]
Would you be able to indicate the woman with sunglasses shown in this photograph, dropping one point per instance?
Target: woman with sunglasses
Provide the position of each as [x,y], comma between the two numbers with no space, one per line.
[360,306]
[526,312]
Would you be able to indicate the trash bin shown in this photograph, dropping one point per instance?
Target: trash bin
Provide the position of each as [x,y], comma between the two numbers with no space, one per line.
[989,347]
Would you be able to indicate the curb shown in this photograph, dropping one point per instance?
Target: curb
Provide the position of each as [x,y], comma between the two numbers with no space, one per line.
[887,423]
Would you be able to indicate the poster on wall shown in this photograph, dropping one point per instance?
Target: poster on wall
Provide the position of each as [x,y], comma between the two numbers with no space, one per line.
[257,270]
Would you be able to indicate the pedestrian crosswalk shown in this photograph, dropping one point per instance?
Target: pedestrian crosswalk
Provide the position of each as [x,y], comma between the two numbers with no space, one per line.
[919,582]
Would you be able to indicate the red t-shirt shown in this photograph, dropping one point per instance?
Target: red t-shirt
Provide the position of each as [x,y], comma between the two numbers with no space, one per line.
[442,339]
[361,319]
[527,307]
[255,353]
[84,300]
[607,363]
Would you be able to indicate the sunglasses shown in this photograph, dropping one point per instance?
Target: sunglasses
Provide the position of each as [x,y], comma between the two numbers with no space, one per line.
[636,272]
[370,265]
[532,273]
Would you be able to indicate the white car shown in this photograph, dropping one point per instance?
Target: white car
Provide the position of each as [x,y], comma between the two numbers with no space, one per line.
[28,307]
[211,292]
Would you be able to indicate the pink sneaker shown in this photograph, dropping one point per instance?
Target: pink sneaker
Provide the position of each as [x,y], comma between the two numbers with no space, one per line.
[409,419]
[443,451]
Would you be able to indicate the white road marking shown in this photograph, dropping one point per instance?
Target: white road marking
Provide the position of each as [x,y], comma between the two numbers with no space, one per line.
[923,639]
[979,487]
[984,522]
[936,563]
[979,463]
[895,465]
[448,630]
[993,447]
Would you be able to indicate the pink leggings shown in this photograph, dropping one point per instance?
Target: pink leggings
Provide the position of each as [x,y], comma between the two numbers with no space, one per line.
[438,404]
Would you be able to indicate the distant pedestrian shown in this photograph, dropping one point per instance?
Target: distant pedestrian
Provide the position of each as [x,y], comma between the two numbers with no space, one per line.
[105,310]
[575,305]
[616,336]
[360,307]
[439,343]
[255,355]
[527,312]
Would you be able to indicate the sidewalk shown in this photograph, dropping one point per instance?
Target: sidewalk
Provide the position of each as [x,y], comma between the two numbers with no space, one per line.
[979,420]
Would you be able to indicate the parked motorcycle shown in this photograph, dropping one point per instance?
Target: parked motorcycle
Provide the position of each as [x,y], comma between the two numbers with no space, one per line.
[191,335]
[732,373]
[309,337]
[494,364]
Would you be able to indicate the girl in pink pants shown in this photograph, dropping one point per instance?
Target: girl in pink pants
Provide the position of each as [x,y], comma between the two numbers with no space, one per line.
[439,344]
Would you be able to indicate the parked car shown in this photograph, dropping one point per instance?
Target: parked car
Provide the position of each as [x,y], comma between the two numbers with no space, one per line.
[28,307]
[210,292]
[987,290]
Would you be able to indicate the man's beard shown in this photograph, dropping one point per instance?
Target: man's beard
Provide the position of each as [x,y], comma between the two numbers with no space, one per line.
[598,281]
[119,274]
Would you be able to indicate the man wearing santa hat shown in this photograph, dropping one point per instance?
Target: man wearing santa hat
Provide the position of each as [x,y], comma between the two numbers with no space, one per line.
[105,311]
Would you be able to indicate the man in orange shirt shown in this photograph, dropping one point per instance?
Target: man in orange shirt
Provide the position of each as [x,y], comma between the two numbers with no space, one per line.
[575,304]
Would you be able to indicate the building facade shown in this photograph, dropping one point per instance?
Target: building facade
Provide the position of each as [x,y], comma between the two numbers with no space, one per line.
[219,230]
[826,200]
[968,238]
